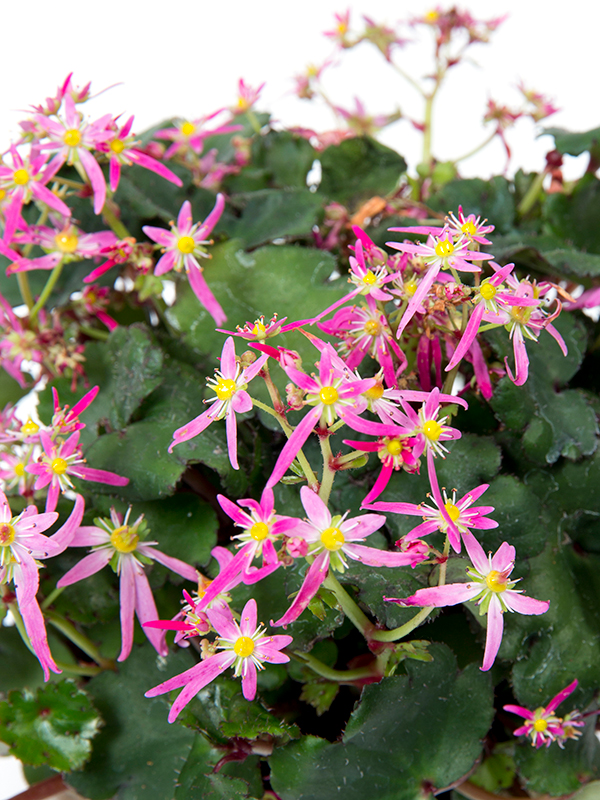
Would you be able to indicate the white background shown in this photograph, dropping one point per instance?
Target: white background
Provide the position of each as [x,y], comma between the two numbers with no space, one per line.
[184,59]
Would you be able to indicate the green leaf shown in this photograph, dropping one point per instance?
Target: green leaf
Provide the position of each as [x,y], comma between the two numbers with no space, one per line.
[357,169]
[285,157]
[518,512]
[18,667]
[320,695]
[555,423]
[573,144]
[287,280]
[407,732]
[235,779]
[492,200]
[136,369]
[497,771]
[547,254]
[271,214]
[574,217]
[54,726]
[138,754]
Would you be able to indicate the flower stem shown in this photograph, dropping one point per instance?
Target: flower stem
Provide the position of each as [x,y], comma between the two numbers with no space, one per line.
[348,606]
[20,625]
[113,221]
[532,194]
[336,675]
[52,597]
[328,473]
[94,333]
[79,639]
[25,289]
[85,671]
[399,633]
[46,291]
[475,150]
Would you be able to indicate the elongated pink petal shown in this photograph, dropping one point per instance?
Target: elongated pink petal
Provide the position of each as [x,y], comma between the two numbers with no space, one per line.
[26,577]
[523,604]
[249,680]
[453,532]
[381,558]
[88,536]
[33,620]
[248,618]
[231,431]
[191,429]
[88,565]
[504,557]
[137,157]
[160,235]
[184,218]
[476,553]
[228,362]
[145,608]
[468,336]
[206,672]
[495,628]
[41,192]
[212,219]
[358,528]
[52,497]
[315,576]
[114,173]
[232,510]
[174,564]
[241,402]
[96,177]
[521,360]
[293,445]
[205,296]
[562,695]
[127,601]
[521,711]
[64,535]
[439,596]
[100,476]
[315,508]
[559,339]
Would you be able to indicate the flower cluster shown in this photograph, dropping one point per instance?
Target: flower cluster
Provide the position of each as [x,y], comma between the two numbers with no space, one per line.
[542,724]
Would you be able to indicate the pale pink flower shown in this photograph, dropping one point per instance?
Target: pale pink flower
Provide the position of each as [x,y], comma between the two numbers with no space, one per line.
[339,34]
[426,425]
[183,245]
[192,134]
[22,545]
[330,540]
[489,584]
[118,543]
[231,397]
[544,726]
[394,453]
[247,97]
[244,646]
[59,462]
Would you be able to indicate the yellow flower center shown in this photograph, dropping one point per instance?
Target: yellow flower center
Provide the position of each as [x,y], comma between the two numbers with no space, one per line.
[91,298]
[124,539]
[117,146]
[445,248]
[2,194]
[369,278]
[7,534]
[394,447]
[66,241]
[186,244]
[30,427]
[432,16]
[521,314]
[188,128]
[244,647]
[375,392]
[329,395]
[259,328]
[432,430]
[20,177]
[540,725]
[496,581]
[372,327]
[469,228]
[225,388]
[332,538]
[488,291]
[20,470]
[453,511]
[410,287]
[259,531]
[59,466]
[72,137]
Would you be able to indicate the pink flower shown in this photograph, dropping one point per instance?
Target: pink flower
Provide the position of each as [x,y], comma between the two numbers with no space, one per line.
[453,517]
[247,97]
[72,140]
[122,151]
[339,34]
[59,461]
[544,726]
[490,586]
[330,540]
[231,397]
[192,134]
[21,546]
[395,454]
[426,425]
[23,181]
[244,646]
[182,245]
[118,543]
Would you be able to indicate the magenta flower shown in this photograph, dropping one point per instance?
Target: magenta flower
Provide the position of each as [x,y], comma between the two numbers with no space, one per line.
[490,586]
[330,540]
[544,726]
[122,151]
[439,253]
[333,395]
[395,454]
[21,546]
[59,461]
[182,245]
[426,425]
[244,646]
[452,517]
[247,97]
[192,134]
[24,180]
[72,141]
[116,542]
[231,397]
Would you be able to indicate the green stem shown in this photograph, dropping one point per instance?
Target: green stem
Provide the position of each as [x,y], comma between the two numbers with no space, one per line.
[288,430]
[408,78]
[46,291]
[449,382]
[479,147]
[399,633]
[25,289]
[114,222]
[328,473]
[72,669]
[20,625]
[348,606]
[52,597]
[531,194]
[336,675]
[490,326]
[79,639]
[252,119]
[94,333]
[426,159]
